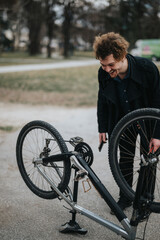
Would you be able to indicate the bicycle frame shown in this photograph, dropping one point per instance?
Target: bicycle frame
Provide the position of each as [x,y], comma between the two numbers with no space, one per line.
[127,231]
[39,134]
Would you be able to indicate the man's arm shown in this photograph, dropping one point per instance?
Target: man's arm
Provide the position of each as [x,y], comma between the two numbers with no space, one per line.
[155,87]
[102,116]
[155,141]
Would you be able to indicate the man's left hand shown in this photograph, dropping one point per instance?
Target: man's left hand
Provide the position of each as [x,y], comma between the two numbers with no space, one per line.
[154,143]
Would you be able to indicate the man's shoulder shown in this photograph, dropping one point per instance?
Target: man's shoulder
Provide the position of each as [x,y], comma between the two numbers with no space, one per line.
[142,63]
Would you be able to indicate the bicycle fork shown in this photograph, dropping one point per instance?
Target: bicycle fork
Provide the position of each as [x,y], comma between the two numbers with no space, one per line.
[144,191]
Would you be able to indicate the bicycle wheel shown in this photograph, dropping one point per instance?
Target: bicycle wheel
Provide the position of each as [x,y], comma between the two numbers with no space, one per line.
[129,142]
[39,139]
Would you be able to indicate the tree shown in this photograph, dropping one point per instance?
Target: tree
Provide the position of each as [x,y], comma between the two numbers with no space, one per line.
[133,19]
[34,15]
[7,15]
[68,11]
[89,23]
[151,20]
[50,22]
[73,11]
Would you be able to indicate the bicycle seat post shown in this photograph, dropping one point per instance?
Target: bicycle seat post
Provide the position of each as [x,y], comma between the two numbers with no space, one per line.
[75,195]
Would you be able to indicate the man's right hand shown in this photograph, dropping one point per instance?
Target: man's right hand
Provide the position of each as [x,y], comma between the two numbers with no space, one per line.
[102,137]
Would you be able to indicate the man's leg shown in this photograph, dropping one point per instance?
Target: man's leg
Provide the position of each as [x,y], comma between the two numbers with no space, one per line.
[127,147]
[150,174]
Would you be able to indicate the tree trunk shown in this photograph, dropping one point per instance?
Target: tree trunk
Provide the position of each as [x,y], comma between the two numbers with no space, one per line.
[66,28]
[35,19]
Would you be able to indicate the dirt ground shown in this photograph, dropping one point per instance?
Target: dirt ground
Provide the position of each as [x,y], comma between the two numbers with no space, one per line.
[24,216]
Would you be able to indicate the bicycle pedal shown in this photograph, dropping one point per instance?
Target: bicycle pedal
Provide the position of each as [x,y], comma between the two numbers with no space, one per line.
[86,185]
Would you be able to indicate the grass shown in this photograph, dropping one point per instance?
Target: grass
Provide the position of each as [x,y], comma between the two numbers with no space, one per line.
[25,55]
[7,128]
[63,87]
[22,57]
[60,87]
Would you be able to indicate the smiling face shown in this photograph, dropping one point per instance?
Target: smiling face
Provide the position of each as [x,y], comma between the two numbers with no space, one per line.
[112,66]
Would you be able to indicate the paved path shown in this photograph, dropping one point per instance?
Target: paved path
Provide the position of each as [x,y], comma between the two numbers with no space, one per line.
[63,64]
[23,215]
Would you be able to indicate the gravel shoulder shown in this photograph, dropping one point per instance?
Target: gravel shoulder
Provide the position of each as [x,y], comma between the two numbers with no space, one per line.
[24,216]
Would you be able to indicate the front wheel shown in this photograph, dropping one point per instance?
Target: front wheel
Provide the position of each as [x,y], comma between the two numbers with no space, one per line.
[39,139]
[129,144]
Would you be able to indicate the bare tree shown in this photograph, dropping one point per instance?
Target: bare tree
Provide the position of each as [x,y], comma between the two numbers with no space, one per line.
[7,17]
[50,16]
[73,11]
[66,28]
[151,19]
[34,15]
[133,19]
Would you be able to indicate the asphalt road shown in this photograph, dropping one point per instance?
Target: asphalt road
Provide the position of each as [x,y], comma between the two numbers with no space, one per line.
[23,215]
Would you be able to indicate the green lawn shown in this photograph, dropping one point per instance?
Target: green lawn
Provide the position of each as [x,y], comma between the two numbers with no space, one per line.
[62,87]
[7,128]
[70,87]
[21,57]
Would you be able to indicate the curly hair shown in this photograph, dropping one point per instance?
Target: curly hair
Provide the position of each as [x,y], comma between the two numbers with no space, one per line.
[110,43]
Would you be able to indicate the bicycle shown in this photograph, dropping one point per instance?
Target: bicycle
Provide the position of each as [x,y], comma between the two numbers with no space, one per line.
[45,165]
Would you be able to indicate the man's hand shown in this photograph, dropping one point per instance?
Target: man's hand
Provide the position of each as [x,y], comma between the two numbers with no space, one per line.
[102,140]
[154,144]
[102,137]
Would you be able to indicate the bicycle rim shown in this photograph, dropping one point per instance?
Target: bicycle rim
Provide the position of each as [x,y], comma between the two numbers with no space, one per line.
[128,144]
[32,144]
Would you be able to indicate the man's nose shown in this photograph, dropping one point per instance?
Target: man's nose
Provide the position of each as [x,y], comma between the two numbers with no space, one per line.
[107,68]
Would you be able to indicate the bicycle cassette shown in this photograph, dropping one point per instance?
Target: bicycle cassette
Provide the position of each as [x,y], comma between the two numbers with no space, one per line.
[86,152]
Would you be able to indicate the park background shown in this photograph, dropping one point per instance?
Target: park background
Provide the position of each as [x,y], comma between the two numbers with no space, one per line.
[48,31]
[58,31]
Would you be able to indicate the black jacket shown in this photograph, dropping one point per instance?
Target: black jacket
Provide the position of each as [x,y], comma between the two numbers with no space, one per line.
[143,91]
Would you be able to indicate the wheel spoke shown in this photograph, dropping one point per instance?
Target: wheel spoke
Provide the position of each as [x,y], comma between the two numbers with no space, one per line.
[38,140]
[133,135]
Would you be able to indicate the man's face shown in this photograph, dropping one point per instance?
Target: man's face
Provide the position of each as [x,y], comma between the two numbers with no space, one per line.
[111,66]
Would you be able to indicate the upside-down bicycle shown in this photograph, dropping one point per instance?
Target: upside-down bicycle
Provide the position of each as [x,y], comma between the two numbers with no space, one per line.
[45,165]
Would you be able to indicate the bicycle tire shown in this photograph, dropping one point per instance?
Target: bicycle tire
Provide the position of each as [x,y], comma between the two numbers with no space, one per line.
[141,116]
[31,143]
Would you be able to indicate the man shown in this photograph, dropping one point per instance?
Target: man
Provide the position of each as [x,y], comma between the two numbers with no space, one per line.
[126,83]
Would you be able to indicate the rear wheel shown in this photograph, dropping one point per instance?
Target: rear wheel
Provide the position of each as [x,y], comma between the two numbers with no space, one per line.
[39,139]
[129,144]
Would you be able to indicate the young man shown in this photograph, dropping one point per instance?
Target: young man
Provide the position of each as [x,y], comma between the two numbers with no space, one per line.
[126,83]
